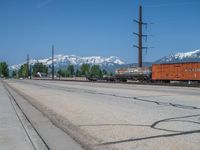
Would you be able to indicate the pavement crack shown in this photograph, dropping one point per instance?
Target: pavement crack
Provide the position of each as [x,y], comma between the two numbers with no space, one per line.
[46,85]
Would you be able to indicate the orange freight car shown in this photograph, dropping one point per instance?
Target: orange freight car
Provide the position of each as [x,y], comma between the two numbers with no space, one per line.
[176,72]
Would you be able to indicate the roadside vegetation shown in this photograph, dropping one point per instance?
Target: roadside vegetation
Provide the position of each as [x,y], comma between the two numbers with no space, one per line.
[39,67]
[25,72]
[38,70]
[85,70]
[4,72]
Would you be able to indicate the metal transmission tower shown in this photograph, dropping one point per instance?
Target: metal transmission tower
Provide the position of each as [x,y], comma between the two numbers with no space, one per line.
[52,62]
[140,36]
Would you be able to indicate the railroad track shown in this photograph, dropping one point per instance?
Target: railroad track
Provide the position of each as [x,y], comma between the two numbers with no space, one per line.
[42,131]
[32,133]
[165,111]
[118,82]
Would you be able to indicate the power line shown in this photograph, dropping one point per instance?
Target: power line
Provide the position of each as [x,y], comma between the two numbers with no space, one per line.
[174,4]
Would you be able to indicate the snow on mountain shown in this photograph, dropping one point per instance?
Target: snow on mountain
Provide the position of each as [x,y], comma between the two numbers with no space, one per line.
[192,56]
[65,60]
[14,67]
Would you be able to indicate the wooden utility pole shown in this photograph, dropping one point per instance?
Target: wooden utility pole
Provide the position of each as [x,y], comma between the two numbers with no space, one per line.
[52,62]
[140,36]
[28,71]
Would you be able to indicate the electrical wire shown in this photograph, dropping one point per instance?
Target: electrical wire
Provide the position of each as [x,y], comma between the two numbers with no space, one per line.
[175,4]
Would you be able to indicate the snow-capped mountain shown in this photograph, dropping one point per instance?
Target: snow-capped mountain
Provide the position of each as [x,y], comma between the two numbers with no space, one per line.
[65,60]
[192,56]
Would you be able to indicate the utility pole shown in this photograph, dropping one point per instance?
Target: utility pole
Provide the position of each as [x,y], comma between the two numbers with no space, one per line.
[30,71]
[28,66]
[140,36]
[52,62]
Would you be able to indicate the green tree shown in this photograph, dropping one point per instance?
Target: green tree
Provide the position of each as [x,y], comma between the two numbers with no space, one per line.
[23,71]
[85,69]
[111,74]
[14,74]
[96,72]
[63,73]
[4,72]
[78,73]
[59,73]
[104,72]
[70,71]
[39,67]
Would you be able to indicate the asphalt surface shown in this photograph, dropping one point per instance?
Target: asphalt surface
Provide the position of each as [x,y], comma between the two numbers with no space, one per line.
[119,116]
[37,132]
[16,132]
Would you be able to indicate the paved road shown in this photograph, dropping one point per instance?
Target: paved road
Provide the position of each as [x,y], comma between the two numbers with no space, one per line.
[16,133]
[118,116]
[36,131]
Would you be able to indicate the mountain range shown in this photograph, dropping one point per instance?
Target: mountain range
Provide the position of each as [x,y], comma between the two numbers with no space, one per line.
[191,56]
[61,61]
[109,63]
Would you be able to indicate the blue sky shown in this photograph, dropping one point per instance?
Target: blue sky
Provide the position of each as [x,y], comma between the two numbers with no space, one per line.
[96,27]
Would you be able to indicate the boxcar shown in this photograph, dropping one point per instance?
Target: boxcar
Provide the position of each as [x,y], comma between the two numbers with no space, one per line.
[176,72]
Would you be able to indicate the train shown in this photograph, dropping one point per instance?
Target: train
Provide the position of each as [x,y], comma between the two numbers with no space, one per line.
[135,73]
[188,71]
[168,72]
